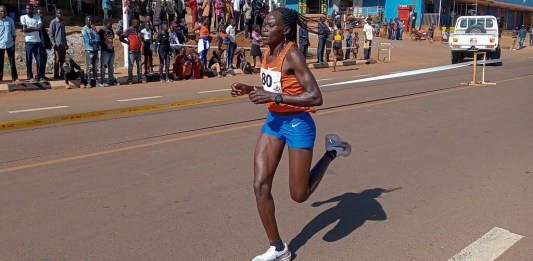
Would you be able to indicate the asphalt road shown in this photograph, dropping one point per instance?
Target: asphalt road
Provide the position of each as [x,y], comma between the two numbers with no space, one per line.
[435,166]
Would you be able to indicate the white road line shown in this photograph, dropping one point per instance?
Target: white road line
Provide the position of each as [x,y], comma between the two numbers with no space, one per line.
[140,98]
[403,74]
[221,90]
[327,79]
[362,75]
[40,109]
[488,247]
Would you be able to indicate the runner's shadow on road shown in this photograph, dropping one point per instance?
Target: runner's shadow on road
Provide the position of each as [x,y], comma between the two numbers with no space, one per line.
[351,212]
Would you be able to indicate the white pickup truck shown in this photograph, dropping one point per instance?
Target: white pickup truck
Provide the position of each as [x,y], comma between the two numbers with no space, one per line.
[475,33]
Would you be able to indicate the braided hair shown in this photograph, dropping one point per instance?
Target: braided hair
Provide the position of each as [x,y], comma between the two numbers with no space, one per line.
[293,19]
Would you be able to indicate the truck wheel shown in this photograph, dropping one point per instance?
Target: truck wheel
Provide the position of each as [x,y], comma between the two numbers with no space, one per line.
[476,29]
[455,57]
[496,54]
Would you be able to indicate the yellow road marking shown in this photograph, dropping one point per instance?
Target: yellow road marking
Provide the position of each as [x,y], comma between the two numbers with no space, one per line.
[35,122]
[100,153]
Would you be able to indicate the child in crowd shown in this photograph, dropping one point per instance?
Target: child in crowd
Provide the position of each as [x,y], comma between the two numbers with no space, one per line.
[163,44]
[355,45]
[148,40]
[256,43]
[242,62]
[349,44]
[223,42]
[72,72]
[216,64]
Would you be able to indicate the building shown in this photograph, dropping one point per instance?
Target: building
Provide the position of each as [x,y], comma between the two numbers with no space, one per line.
[424,12]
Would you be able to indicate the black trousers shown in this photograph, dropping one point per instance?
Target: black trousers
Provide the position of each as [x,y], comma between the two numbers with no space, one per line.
[11,57]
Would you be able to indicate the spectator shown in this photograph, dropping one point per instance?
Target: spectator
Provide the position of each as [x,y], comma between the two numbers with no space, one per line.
[180,9]
[193,4]
[134,43]
[31,26]
[230,30]
[163,44]
[197,67]
[329,41]
[368,34]
[531,36]
[91,40]
[172,10]
[184,29]
[143,10]
[199,4]
[243,63]
[216,64]
[257,7]
[148,39]
[7,44]
[256,46]
[176,39]
[237,13]
[47,44]
[107,6]
[355,44]
[223,43]
[72,72]
[247,10]
[228,11]
[107,53]
[431,32]
[203,42]
[337,48]
[394,30]
[219,12]
[304,39]
[59,42]
[399,34]
[514,35]
[522,36]
[150,13]
[179,62]
[206,11]
[349,44]
[322,38]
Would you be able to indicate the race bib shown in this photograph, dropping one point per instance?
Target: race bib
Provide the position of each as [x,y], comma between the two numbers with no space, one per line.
[271,80]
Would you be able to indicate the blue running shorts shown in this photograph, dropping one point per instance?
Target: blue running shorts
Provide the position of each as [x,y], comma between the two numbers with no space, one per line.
[297,130]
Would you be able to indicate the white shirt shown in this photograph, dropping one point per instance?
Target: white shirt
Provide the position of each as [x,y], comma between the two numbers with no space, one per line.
[147,34]
[237,5]
[231,33]
[33,22]
[368,31]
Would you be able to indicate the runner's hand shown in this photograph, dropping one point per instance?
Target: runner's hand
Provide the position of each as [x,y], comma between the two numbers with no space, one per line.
[238,89]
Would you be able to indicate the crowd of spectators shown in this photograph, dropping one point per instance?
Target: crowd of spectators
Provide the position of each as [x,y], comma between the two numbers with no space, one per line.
[156,27]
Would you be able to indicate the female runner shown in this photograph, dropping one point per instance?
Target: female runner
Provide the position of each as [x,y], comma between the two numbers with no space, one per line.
[289,91]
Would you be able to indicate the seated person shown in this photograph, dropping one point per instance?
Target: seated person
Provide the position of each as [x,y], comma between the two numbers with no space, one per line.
[243,63]
[197,67]
[72,72]
[177,65]
[216,64]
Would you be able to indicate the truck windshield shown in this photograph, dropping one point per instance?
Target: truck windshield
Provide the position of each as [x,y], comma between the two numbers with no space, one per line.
[486,23]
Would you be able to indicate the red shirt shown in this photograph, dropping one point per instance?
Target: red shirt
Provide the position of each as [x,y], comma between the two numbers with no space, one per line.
[134,39]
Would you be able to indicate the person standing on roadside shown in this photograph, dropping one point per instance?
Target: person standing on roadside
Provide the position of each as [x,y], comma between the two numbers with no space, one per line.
[230,30]
[31,26]
[522,36]
[59,43]
[107,53]
[7,44]
[349,44]
[531,36]
[304,39]
[47,44]
[248,22]
[163,45]
[147,51]
[322,38]
[368,34]
[134,38]
[194,10]
[107,6]
[91,40]
[237,14]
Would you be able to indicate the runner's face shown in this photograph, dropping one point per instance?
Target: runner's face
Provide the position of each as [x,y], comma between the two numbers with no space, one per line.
[272,33]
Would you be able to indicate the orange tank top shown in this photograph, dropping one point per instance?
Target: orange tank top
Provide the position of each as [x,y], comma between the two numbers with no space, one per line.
[275,81]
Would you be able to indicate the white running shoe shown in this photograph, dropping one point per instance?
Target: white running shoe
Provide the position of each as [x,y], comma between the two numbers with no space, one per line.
[272,255]
[333,142]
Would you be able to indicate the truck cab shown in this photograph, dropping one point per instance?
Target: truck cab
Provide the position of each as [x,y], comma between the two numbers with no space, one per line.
[475,34]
